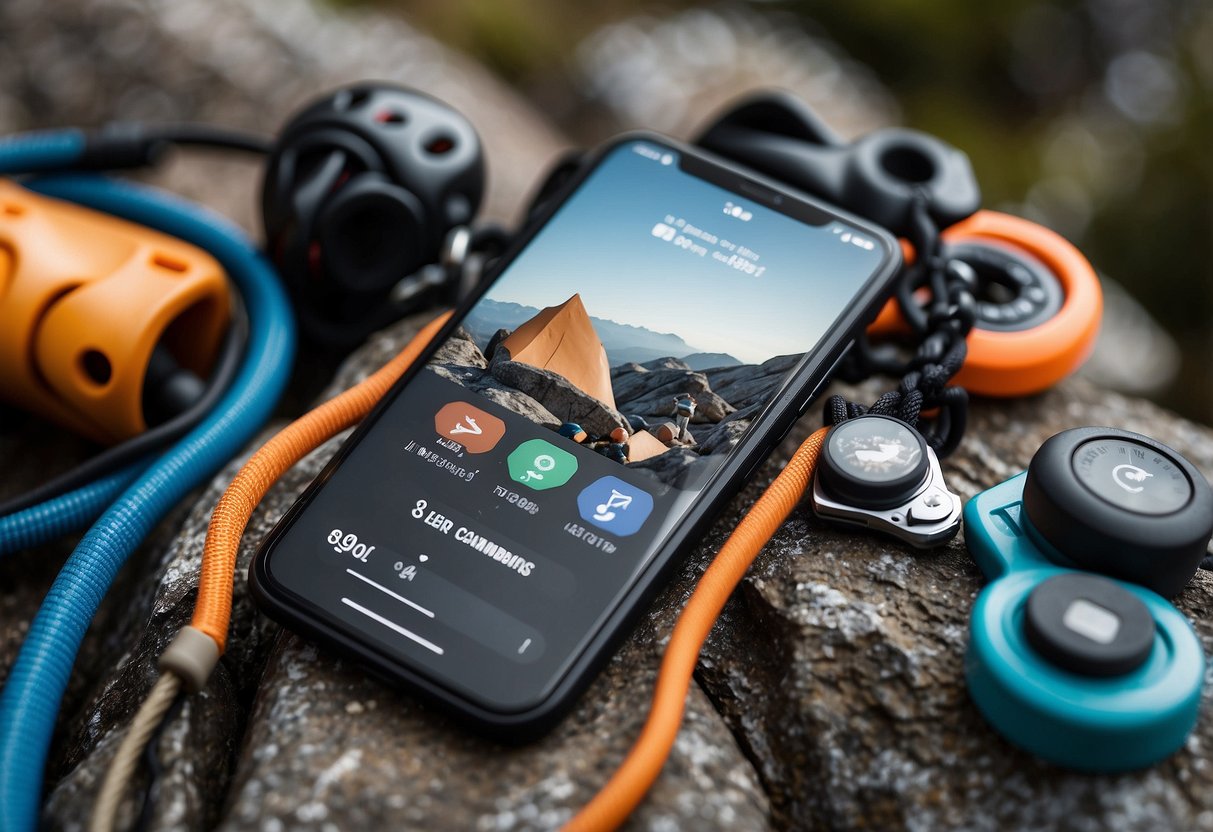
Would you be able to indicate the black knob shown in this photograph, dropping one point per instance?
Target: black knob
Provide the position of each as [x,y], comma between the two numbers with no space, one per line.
[1119,503]
[168,388]
[360,192]
[1088,624]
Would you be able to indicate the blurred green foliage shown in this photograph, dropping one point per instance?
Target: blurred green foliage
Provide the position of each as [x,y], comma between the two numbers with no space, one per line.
[1095,118]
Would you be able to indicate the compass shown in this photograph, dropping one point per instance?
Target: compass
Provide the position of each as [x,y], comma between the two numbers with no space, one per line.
[1132,475]
[873,461]
[877,472]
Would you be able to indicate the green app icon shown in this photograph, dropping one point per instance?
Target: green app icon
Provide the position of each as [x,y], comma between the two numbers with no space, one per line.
[541,465]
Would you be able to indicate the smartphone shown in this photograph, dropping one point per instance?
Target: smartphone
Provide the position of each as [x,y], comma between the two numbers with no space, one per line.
[494,527]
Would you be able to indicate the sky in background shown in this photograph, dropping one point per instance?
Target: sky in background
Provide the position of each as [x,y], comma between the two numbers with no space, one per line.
[601,245]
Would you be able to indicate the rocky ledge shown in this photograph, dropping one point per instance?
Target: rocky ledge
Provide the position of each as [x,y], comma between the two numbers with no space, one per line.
[830,694]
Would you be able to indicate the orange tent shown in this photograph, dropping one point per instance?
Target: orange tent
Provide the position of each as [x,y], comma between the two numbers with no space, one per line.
[561,339]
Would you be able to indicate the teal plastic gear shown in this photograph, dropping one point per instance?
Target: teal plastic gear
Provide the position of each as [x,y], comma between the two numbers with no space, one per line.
[1081,722]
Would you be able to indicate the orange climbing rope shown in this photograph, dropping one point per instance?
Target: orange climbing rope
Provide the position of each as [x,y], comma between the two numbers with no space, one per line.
[192,655]
[632,780]
[213,609]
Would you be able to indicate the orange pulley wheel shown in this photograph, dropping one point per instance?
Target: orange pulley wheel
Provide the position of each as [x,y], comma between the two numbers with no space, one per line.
[1039,305]
[85,298]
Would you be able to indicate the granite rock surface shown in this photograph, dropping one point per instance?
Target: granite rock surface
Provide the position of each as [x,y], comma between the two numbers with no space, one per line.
[830,695]
[558,395]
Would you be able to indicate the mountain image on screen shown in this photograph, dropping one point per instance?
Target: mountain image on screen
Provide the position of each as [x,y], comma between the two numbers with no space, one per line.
[645,399]
[623,343]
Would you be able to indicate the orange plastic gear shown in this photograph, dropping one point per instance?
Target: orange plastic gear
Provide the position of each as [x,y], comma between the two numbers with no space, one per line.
[1007,364]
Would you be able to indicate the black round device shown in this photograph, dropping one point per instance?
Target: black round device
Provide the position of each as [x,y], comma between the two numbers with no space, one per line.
[360,192]
[873,462]
[1119,503]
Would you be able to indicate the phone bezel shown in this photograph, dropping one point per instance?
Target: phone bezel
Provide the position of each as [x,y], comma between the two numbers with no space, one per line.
[768,428]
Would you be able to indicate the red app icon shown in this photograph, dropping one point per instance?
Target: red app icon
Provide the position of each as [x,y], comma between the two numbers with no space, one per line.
[470,426]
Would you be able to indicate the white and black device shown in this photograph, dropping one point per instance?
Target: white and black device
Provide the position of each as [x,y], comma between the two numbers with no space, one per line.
[495,526]
[879,473]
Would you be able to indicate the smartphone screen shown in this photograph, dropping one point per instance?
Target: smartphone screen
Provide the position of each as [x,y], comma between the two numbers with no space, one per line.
[510,495]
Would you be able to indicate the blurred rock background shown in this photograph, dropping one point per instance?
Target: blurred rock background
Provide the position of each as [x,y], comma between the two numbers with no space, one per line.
[1094,117]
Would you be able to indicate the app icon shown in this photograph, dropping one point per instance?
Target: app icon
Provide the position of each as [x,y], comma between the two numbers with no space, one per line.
[541,465]
[614,505]
[470,426]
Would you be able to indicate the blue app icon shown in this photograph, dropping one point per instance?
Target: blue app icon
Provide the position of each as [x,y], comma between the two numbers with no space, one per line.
[612,504]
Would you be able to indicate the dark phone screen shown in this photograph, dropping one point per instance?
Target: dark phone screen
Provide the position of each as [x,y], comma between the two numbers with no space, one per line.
[512,492]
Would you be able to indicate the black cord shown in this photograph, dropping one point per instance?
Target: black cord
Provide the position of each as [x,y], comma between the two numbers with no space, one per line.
[205,135]
[155,770]
[150,440]
[125,145]
[941,328]
[923,389]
